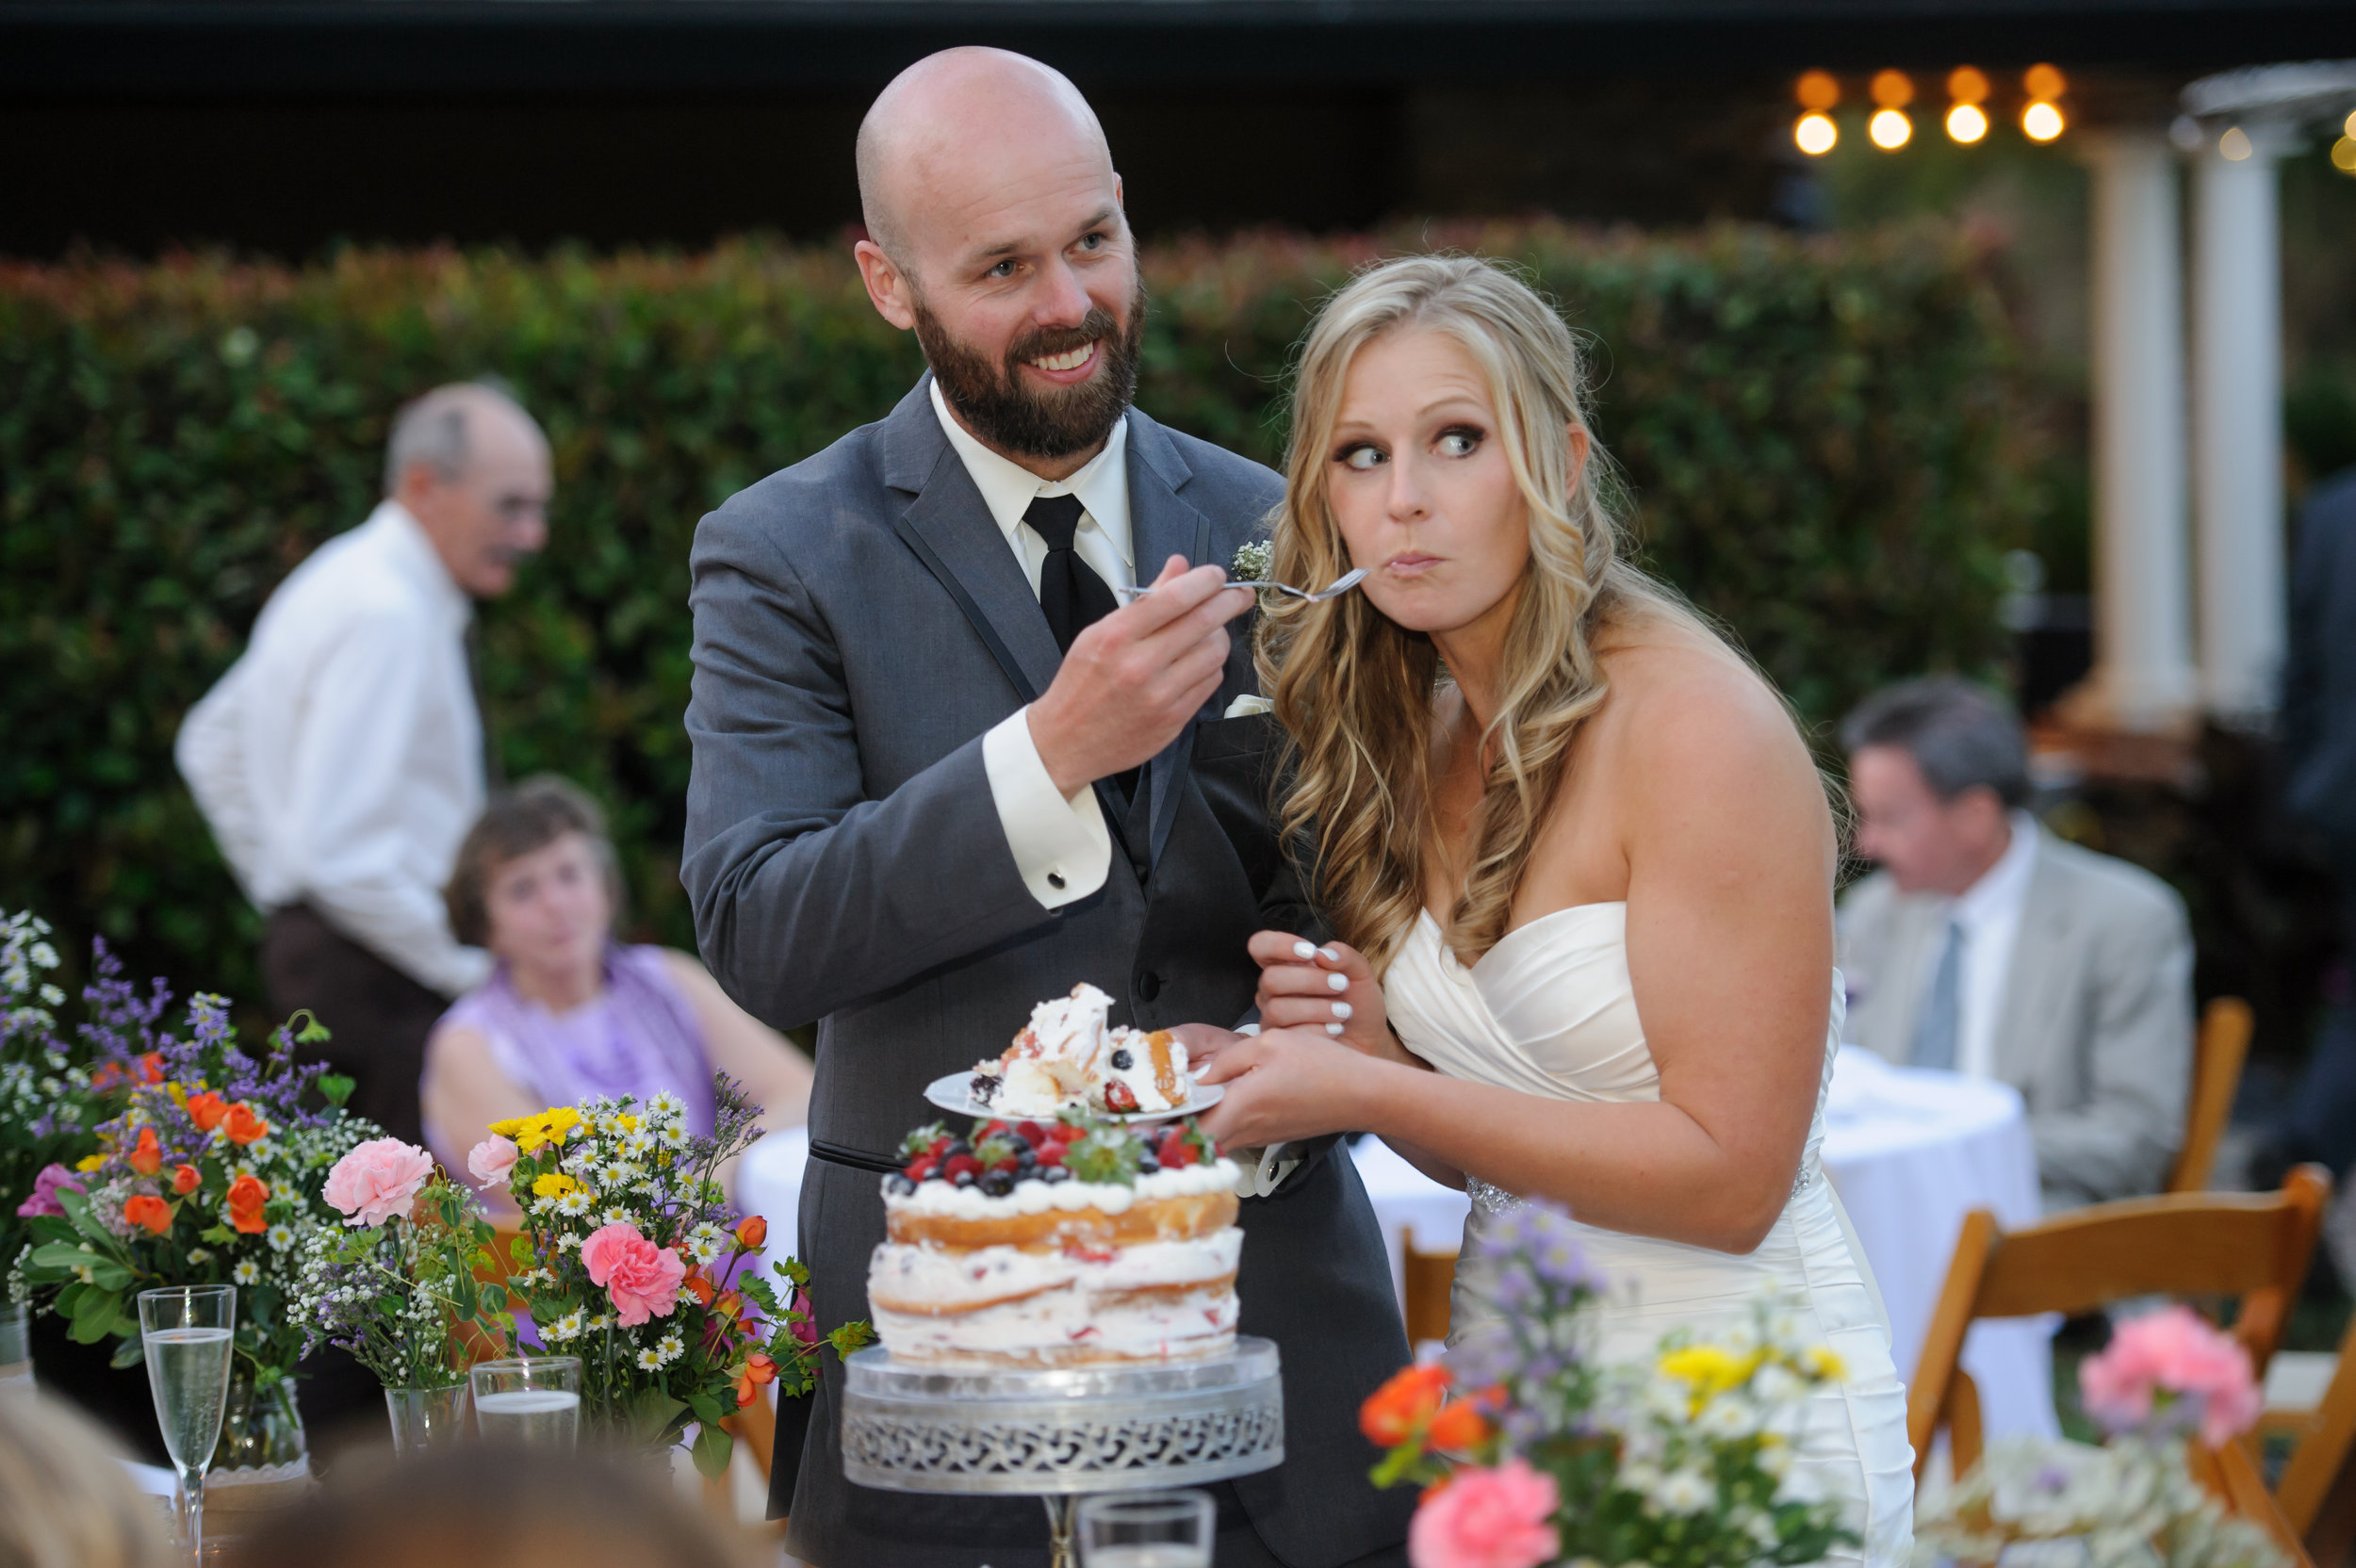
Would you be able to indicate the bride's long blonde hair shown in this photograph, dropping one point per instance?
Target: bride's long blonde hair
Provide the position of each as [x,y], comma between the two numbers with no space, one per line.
[1353,689]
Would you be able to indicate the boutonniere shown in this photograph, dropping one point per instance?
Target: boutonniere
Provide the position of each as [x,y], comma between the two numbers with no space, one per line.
[1247,705]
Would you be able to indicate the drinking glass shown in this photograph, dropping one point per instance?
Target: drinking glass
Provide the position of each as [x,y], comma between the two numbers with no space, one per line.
[185,1332]
[1149,1529]
[530,1399]
[16,1347]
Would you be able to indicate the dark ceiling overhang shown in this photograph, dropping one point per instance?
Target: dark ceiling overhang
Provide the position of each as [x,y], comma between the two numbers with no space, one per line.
[153,49]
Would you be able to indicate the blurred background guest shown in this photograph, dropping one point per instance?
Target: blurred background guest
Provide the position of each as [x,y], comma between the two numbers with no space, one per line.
[1984,945]
[569,1013]
[2318,1119]
[66,1499]
[341,759]
[518,1508]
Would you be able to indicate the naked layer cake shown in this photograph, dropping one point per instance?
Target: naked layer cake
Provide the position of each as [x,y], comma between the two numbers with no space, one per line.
[1072,1242]
[1067,1058]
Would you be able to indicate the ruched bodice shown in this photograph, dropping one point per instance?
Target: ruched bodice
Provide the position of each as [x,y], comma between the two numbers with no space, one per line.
[1550,1011]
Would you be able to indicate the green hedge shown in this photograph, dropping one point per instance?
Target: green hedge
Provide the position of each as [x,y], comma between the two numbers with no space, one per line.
[1819,436]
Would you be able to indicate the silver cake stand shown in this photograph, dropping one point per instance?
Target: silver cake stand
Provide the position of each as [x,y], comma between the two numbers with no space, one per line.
[1056,1435]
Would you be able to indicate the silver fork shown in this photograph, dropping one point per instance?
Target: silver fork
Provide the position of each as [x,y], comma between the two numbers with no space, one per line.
[1334,589]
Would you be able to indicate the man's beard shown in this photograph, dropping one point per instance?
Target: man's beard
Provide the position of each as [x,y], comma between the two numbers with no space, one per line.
[996,404]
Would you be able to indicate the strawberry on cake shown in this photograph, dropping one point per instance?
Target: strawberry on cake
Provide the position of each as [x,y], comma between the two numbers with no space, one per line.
[1067,1058]
[1073,1242]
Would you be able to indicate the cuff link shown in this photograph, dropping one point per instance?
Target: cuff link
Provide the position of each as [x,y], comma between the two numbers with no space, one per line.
[1054,880]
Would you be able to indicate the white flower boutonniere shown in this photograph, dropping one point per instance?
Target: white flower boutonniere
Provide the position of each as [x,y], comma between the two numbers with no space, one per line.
[1247,705]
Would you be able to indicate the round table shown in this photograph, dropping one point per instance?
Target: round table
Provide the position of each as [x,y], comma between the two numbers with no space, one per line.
[1910,1152]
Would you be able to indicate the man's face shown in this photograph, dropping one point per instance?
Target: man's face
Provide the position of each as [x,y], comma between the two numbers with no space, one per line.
[495,513]
[1925,844]
[1017,272]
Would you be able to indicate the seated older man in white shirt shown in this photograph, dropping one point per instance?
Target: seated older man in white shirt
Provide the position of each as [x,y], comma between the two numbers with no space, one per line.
[340,760]
[1984,945]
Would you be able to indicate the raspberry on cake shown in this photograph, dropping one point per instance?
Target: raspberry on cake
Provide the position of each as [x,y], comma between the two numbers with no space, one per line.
[1066,1056]
[1076,1241]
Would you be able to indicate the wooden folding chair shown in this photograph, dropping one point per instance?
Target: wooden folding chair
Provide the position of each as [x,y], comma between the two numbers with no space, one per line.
[2218,1054]
[2317,1491]
[2253,1246]
[1430,1278]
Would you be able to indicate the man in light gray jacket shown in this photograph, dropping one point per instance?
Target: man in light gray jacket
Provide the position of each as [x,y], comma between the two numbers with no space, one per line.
[1984,945]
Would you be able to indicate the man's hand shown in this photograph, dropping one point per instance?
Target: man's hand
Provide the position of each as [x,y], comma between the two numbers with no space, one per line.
[1133,679]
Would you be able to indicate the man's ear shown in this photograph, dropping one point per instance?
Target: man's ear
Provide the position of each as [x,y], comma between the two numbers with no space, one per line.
[887,285]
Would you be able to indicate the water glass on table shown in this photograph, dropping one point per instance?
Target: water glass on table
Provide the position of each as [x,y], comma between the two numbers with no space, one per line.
[16,1347]
[529,1399]
[186,1333]
[1152,1529]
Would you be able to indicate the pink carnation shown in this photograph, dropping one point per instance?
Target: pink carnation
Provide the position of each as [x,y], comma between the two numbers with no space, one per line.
[642,1279]
[2165,1359]
[1500,1518]
[44,1202]
[378,1181]
[490,1161]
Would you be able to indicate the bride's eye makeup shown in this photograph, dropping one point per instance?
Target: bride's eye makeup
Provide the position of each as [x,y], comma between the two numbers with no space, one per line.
[1461,440]
[1361,455]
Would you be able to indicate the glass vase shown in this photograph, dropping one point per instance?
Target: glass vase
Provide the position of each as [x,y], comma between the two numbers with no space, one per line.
[426,1419]
[263,1459]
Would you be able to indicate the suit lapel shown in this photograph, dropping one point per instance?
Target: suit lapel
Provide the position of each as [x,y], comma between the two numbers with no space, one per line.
[1161,525]
[2037,957]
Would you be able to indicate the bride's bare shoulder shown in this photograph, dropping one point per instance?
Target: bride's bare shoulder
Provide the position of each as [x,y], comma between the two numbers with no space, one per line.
[1687,712]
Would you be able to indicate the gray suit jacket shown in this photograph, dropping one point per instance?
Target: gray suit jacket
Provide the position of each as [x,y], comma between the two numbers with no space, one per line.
[860,626]
[2095,1029]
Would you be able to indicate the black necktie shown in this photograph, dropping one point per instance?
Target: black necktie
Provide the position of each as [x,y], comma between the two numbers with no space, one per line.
[1073,596]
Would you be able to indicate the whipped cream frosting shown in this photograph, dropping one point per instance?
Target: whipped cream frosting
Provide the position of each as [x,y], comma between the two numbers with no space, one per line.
[1036,1197]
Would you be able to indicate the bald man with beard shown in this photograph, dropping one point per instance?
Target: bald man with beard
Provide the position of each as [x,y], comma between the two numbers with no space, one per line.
[942,773]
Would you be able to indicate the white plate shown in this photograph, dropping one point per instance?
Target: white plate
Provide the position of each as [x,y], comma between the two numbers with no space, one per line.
[953,1094]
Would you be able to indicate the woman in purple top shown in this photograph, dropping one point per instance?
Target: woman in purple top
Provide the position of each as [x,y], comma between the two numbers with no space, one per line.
[569,1013]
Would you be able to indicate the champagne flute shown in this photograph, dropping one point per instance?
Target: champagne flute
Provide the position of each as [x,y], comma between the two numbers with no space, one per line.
[187,1333]
[528,1399]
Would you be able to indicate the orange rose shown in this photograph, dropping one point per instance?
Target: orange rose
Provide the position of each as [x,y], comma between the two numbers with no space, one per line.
[145,1157]
[183,1179]
[152,1215]
[752,1230]
[244,1126]
[152,1068]
[697,1286]
[1458,1426]
[758,1369]
[246,1197]
[1400,1408]
[206,1110]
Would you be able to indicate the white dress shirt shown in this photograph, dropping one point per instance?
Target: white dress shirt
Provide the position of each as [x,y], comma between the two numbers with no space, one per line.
[1060,843]
[340,760]
[1989,913]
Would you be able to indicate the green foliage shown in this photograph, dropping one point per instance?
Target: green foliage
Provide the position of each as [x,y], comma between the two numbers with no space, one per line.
[1813,434]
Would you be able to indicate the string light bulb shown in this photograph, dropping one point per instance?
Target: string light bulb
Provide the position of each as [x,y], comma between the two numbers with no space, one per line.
[2344,154]
[1889,129]
[1817,90]
[1892,90]
[1967,85]
[1816,135]
[2044,83]
[2233,146]
[2042,121]
[1966,123]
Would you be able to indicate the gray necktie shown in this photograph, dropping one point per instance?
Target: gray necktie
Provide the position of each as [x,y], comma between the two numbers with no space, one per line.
[1935,1031]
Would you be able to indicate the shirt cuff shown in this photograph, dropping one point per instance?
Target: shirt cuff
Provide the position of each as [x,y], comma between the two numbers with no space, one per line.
[1060,845]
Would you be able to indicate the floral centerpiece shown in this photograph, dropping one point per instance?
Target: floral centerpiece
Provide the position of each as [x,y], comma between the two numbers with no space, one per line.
[396,1283]
[632,1260]
[211,1174]
[55,1090]
[1532,1452]
[2165,1379]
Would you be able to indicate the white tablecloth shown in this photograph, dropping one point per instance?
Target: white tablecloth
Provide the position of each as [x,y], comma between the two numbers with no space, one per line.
[769,1183]
[1910,1153]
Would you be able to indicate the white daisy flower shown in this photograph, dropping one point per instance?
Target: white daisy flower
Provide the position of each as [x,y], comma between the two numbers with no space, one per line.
[279,1237]
[672,1136]
[1684,1492]
[650,1361]
[671,1347]
[246,1271]
[200,1254]
[664,1105]
[567,1327]
[638,1143]
[618,1215]
[573,1203]
[596,1324]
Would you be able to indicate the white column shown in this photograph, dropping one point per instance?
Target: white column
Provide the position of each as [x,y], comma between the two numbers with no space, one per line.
[2143,676]
[2237,425]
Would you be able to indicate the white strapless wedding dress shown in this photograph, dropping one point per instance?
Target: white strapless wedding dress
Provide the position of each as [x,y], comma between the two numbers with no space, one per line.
[1550,1011]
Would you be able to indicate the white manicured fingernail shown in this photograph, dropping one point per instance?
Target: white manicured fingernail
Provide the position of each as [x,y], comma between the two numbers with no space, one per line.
[1302,950]
[1341,1009]
[1335,1030]
[1329,956]
[1337,982]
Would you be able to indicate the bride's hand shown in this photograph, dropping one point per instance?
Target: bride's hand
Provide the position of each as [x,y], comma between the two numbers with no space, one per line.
[1287,1083]
[1330,989]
